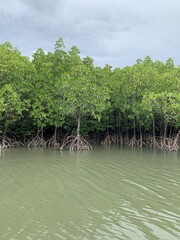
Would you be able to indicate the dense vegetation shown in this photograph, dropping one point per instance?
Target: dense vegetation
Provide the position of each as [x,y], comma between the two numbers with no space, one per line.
[51,99]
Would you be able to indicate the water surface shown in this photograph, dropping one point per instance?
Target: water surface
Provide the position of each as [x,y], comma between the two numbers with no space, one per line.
[103,194]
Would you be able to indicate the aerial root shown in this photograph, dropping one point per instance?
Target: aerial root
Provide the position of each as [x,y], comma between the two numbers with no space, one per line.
[74,143]
[173,144]
[52,142]
[115,139]
[7,142]
[108,140]
[37,141]
[169,144]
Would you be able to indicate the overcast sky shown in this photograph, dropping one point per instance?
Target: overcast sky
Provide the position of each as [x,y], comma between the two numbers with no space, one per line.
[114,32]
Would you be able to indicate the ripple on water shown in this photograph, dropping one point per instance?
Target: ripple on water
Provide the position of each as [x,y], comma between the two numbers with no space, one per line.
[103,194]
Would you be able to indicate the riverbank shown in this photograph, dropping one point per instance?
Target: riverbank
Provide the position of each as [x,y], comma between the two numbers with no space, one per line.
[56,141]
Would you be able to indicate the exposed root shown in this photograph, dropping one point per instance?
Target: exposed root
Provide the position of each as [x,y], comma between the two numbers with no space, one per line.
[153,142]
[172,144]
[136,143]
[37,141]
[108,140]
[115,139]
[52,142]
[133,142]
[7,142]
[169,144]
[74,143]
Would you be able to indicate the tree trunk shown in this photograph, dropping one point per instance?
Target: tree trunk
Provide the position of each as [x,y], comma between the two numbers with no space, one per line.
[127,133]
[42,133]
[55,131]
[170,132]
[115,121]
[78,124]
[154,133]
[134,128]
[140,133]
[165,130]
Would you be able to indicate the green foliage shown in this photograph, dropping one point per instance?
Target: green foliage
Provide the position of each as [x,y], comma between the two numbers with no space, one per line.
[83,94]
[11,106]
[57,87]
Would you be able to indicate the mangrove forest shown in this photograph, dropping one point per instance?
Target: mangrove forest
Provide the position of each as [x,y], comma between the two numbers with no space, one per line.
[61,99]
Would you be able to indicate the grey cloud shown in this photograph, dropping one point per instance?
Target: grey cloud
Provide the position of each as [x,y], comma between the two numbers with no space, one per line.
[117,31]
[46,6]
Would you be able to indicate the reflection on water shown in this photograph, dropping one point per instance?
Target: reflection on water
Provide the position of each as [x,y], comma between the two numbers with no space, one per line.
[104,194]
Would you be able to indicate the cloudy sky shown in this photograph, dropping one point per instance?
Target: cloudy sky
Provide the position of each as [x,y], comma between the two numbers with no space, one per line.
[116,32]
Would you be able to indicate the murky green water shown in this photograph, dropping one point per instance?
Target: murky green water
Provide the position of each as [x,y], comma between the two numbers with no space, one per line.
[103,194]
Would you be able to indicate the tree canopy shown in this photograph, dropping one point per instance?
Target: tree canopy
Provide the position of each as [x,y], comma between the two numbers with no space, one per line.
[60,93]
